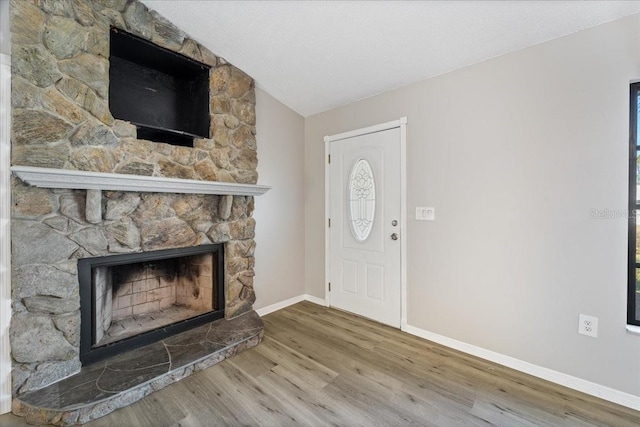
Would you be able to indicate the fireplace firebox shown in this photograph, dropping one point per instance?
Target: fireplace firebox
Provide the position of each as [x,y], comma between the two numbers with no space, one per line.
[130,300]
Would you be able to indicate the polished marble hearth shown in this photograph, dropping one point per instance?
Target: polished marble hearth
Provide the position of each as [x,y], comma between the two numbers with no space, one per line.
[105,386]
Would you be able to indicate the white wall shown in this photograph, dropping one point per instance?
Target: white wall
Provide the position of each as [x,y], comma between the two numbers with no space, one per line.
[279,213]
[513,153]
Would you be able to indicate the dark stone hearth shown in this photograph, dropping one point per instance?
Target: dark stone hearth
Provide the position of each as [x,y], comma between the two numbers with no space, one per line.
[124,379]
[47,373]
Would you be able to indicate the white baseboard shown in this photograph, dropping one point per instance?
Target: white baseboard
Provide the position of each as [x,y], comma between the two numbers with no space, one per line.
[584,386]
[286,303]
[316,300]
[279,305]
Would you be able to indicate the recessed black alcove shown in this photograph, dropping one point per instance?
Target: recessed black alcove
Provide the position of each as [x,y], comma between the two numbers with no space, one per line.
[163,93]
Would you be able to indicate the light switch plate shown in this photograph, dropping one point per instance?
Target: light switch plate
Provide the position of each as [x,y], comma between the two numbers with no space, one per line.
[425,214]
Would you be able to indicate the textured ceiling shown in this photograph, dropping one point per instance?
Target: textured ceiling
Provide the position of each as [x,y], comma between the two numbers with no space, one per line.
[317,55]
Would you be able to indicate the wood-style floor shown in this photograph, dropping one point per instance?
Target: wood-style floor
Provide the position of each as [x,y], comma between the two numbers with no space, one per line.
[318,366]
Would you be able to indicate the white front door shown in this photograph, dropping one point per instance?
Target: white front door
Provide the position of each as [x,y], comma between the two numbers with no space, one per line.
[364,233]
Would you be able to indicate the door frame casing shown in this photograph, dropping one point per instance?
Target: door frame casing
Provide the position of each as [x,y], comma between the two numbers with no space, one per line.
[401,123]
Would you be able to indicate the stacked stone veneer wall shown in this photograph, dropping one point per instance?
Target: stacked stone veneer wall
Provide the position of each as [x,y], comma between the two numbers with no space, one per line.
[61,119]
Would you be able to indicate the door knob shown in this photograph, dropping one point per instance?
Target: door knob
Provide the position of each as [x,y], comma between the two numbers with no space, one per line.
[394,236]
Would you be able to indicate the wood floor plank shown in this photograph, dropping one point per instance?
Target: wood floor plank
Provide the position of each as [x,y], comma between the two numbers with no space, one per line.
[244,394]
[438,411]
[253,363]
[339,355]
[506,415]
[333,329]
[302,401]
[481,379]
[206,404]
[321,367]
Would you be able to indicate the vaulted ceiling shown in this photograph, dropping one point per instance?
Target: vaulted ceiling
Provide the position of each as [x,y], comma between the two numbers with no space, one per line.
[317,55]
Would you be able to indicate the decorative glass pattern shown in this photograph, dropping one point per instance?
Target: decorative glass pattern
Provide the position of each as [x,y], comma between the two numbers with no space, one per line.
[361,199]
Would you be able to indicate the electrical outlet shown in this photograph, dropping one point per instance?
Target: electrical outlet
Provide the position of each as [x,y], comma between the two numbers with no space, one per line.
[588,325]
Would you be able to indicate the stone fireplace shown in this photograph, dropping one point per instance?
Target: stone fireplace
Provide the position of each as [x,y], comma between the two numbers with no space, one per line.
[61,121]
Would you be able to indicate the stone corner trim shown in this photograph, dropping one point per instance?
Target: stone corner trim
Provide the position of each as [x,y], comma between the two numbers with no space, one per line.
[82,180]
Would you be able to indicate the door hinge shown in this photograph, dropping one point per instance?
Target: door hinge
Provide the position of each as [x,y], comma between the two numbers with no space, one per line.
[329,286]
[329,222]
[329,160]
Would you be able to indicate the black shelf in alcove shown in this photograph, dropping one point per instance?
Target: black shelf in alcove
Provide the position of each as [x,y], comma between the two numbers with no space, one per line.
[165,94]
[170,136]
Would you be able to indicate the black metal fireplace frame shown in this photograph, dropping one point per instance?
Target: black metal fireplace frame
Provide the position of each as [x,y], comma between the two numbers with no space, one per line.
[89,354]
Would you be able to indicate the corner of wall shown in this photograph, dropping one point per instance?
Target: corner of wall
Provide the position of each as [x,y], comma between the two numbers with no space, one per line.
[279,214]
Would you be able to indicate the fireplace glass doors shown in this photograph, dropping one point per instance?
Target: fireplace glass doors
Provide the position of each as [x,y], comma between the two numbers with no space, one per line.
[130,300]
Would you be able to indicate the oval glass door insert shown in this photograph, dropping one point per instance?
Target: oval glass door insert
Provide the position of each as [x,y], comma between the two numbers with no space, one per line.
[362,199]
